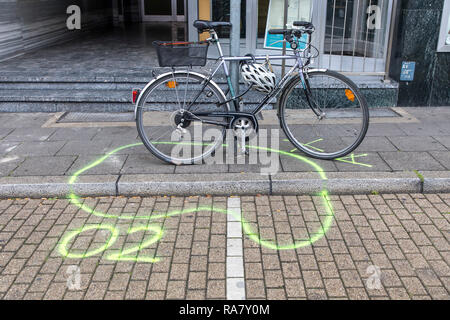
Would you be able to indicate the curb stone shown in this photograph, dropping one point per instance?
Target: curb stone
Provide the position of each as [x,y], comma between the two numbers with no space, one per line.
[436,182]
[224,184]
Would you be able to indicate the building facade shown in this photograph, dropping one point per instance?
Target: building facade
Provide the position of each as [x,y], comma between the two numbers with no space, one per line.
[398,48]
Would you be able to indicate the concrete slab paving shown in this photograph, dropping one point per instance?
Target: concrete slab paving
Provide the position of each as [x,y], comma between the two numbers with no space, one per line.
[114,133]
[424,129]
[384,129]
[112,165]
[290,164]
[373,144]
[416,144]
[45,148]
[6,147]
[45,166]
[29,134]
[74,134]
[443,157]
[8,164]
[362,161]
[76,148]
[4,132]
[145,164]
[400,161]
[72,147]
[444,140]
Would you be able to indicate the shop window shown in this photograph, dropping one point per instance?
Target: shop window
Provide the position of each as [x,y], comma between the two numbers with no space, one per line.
[356,28]
[444,35]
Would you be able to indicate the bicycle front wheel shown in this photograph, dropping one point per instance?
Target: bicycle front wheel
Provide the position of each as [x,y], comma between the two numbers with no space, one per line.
[167,122]
[327,120]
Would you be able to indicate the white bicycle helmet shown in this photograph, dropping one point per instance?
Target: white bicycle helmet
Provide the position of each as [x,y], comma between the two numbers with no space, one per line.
[257,76]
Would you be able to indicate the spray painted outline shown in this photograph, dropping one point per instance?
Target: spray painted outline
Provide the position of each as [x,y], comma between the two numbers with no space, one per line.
[73,198]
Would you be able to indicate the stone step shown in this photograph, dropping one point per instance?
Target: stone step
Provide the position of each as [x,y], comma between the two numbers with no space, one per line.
[107,85]
[83,107]
[85,95]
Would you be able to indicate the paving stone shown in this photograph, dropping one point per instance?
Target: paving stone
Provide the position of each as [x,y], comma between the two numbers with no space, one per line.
[7,147]
[370,162]
[444,140]
[44,166]
[424,129]
[373,144]
[145,164]
[411,251]
[8,164]
[112,165]
[114,133]
[384,129]
[29,134]
[401,161]
[443,157]
[76,148]
[4,132]
[289,164]
[73,134]
[416,144]
[38,148]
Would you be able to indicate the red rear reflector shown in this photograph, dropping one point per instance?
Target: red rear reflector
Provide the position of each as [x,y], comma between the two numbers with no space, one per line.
[136,93]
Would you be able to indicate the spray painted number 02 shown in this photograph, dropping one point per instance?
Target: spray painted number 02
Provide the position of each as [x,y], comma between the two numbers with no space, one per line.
[129,254]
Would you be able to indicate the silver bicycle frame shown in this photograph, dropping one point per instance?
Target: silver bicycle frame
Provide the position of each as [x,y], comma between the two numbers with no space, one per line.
[223,64]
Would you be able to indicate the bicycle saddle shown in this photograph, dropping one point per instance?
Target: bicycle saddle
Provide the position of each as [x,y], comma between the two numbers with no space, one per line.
[203,25]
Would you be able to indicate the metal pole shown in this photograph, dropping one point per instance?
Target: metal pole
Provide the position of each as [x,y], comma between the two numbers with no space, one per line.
[285,18]
[394,19]
[235,42]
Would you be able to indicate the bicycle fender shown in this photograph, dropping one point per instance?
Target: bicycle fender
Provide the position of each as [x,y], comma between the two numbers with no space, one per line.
[138,101]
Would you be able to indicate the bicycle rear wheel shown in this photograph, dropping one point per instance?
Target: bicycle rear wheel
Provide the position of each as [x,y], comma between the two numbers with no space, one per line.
[328,120]
[161,124]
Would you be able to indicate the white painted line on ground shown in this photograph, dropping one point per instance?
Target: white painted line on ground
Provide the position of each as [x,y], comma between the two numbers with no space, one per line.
[235,252]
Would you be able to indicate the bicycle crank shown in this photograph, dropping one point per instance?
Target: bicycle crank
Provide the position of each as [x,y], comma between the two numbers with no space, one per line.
[242,128]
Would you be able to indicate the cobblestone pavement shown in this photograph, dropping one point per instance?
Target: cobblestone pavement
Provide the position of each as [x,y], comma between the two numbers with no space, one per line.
[377,247]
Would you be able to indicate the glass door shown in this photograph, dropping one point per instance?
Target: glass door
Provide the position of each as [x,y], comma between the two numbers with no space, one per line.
[163,10]
[120,10]
[354,35]
[351,35]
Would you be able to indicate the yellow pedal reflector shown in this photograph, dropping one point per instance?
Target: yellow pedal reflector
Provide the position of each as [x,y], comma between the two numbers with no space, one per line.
[171,84]
[350,95]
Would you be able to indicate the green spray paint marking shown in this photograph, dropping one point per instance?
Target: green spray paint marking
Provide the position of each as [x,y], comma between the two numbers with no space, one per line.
[126,255]
[351,159]
[309,144]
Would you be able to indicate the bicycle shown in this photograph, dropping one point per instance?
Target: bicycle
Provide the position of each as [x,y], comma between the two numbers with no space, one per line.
[322,112]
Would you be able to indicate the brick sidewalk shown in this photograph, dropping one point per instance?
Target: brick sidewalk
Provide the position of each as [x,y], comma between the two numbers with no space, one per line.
[390,246]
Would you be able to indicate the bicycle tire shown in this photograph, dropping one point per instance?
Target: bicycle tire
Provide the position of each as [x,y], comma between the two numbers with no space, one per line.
[294,140]
[164,78]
